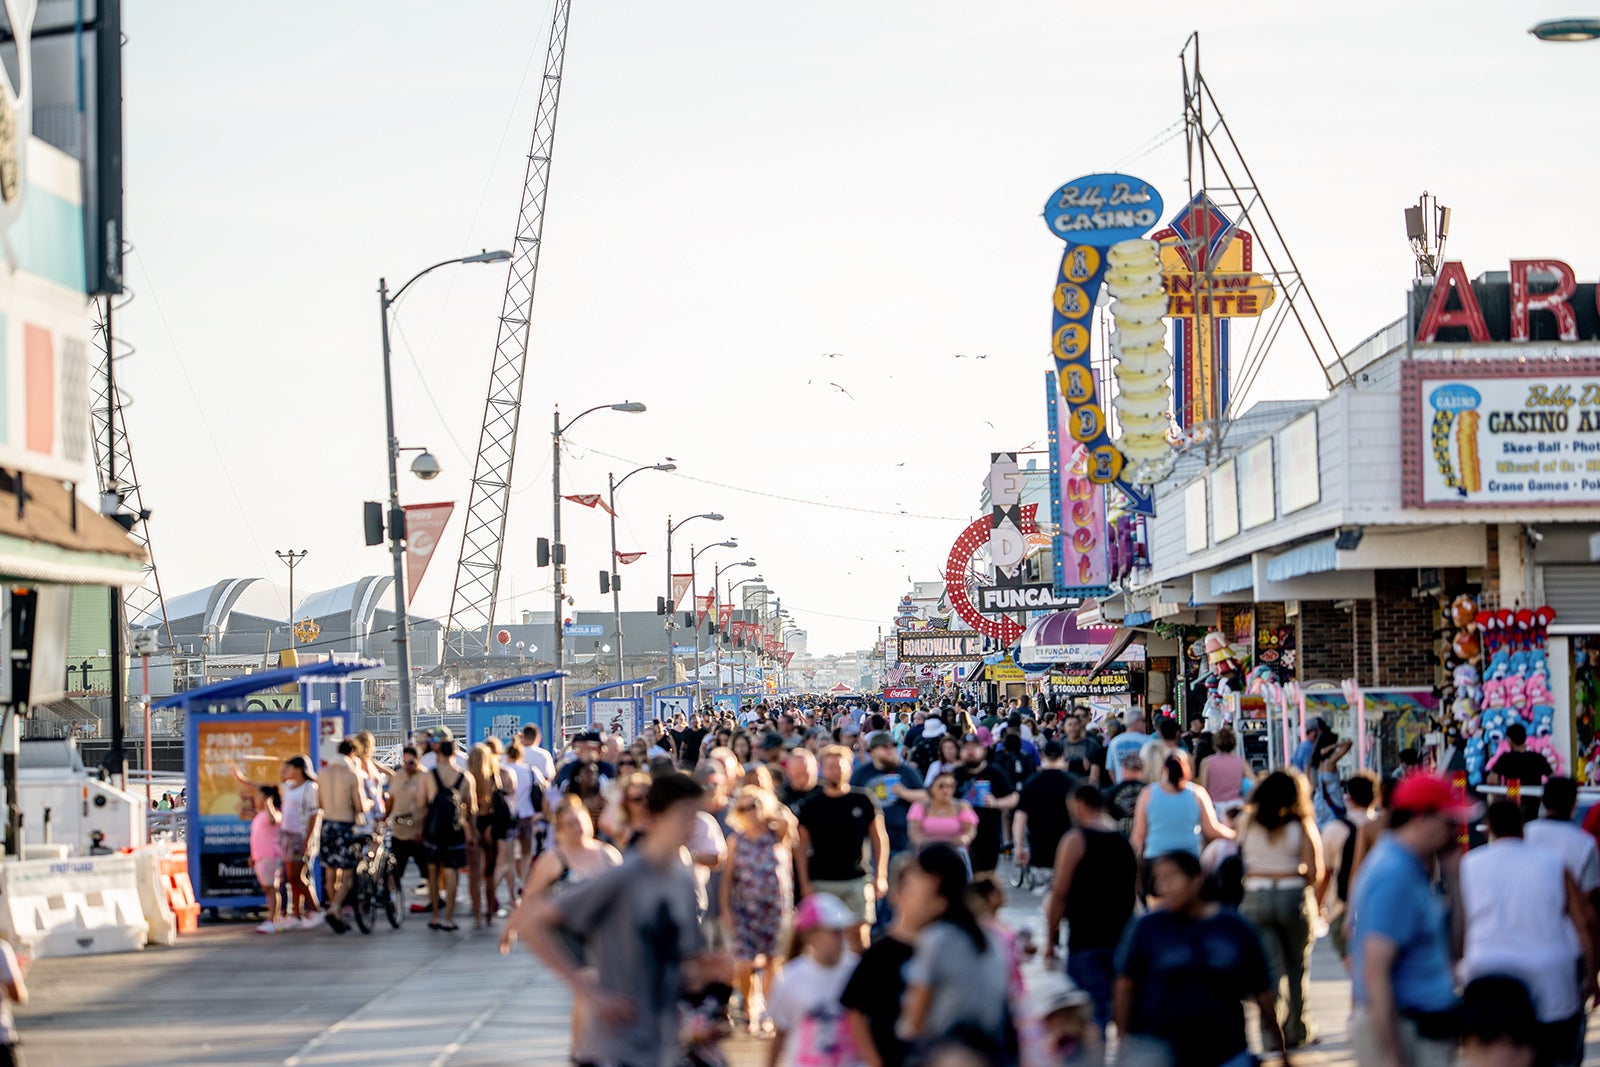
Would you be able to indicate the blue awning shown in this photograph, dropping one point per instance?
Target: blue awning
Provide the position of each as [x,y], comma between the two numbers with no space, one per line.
[1137,618]
[507,683]
[1314,557]
[1233,579]
[230,689]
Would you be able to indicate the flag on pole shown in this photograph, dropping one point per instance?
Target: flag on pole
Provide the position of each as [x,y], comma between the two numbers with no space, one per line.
[424,524]
[724,615]
[702,608]
[628,557]
[590,500]
[680,586]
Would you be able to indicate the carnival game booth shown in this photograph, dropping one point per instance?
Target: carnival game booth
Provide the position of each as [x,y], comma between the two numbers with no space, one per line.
[220,734]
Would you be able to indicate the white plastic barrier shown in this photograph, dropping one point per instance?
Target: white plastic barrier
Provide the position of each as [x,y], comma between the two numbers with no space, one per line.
[153,896]
[77,907]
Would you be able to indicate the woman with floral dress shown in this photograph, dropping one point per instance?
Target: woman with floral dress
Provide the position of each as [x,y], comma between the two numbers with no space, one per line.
[757,893]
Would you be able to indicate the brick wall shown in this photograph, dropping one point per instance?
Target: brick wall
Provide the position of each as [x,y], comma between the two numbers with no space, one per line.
[1324,642]
[1401,638]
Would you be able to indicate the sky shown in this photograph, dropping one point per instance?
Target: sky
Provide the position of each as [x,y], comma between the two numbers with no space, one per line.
[739,189]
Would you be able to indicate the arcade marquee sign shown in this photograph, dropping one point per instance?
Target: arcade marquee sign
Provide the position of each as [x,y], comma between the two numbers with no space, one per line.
[939,646]
[1497,432]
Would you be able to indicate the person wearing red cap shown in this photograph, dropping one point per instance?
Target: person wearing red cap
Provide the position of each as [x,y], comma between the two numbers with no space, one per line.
[1407,1014]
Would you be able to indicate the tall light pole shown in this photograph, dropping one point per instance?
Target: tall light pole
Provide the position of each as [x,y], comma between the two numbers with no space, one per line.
[613,483]
[671,607]
[744,659]
[716,593]
[425,467]
[694,602]
[558,551]
[291,559]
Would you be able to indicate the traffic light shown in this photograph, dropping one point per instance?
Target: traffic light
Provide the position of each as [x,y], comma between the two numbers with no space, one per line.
[688,620]
[605,581]
[661,605]
[560,555]
[372,519]
[616,583]
[542,552]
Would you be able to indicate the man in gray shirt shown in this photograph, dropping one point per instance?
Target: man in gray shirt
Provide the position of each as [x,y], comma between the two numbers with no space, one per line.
[643,945]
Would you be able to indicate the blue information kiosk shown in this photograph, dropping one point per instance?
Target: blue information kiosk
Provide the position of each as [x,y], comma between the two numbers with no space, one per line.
[220,735]
[624,709]
[505,718]
[669,700]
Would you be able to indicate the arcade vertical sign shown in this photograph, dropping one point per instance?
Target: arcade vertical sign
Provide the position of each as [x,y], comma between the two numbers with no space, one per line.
[1078,508]
[1091,214]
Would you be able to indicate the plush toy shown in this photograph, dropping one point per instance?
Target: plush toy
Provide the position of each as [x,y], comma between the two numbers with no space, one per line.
[1544,720]
[1474,756]
[1219,655]
[1546,747]
[1463,611]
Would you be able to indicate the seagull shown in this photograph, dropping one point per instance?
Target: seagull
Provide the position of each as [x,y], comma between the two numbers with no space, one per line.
[899,464]
[841,389]
[833,355]
[989,424]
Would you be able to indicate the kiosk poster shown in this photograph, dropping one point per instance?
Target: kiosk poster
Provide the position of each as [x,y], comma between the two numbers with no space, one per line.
[220,807]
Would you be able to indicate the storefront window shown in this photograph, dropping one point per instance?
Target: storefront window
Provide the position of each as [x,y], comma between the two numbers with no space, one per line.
[1586,705]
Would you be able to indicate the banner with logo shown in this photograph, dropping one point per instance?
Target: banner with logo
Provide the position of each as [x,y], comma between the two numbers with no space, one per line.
[724,617]
[220,809]
[702,608]
[1078,506]
[424,524]
[680,587]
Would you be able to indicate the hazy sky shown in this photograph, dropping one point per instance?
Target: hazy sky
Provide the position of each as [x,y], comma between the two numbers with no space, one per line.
[739,187]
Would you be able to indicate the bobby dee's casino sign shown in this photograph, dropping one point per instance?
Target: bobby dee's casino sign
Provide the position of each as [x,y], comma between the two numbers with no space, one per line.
[1521,426]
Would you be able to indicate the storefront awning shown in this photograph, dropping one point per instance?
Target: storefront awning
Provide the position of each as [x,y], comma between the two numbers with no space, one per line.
[48,535]
[1233,579]
[1119,644]
[1060,637]
[1314,557]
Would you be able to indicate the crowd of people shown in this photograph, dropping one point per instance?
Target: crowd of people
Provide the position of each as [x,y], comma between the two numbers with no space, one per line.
[827,878]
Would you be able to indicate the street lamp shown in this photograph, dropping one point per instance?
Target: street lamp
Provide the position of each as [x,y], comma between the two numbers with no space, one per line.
[671,607]
[425,470]
[716,581]
[558,551]
[694,602]
[744,660]
[614,483]
[291,559]
[1567,30]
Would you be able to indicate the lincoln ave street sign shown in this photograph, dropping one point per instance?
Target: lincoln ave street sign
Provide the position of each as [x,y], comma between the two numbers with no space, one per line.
[995,599]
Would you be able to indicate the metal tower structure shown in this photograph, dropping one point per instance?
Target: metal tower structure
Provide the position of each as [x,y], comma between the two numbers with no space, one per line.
[114,470]
[477,585]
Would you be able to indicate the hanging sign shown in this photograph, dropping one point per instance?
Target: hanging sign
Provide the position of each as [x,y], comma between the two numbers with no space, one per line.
[1091,214]
[1078,509]
[424,524]
[680,586]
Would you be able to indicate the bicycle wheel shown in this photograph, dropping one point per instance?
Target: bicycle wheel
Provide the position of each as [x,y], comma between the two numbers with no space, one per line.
[393,897]
[365,899]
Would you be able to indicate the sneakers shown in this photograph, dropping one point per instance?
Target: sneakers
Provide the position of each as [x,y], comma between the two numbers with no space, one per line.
[337,924]
[312,921]
[268,927]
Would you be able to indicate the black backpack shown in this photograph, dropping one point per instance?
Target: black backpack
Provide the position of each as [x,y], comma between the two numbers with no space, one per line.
[445,823]
[1347,859]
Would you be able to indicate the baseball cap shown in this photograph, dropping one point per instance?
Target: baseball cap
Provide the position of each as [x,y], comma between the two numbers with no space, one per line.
[772,739]
[823,911]
[588,737]
[1052,992]
[879,738]
[442,733]
[1432,794]
[971,739]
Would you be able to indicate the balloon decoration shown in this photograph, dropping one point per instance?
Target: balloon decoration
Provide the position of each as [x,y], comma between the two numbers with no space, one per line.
[1140,349]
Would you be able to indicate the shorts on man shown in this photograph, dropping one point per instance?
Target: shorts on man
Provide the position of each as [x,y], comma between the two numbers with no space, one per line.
[341,847]
[292,846]
[449,857]
[857,894]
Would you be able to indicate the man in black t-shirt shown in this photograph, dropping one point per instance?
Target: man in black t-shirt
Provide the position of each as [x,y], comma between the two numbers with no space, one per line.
[873,994]
[836,825]
[1520,765]
[1042,816]
[990,792]
[1092,892]
[1084,756]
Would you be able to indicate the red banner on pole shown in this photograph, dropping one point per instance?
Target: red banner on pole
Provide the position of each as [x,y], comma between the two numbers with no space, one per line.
[589,500]
[628,557]
[424,524]
[702,608]
[724,617]
[680,586]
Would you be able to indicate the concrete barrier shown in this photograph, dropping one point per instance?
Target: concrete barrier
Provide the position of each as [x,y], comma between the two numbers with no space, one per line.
[153,900]
[77,907]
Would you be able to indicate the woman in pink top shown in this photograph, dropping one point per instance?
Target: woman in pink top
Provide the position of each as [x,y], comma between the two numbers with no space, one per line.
[1223,773]
[266,854]
[943,818]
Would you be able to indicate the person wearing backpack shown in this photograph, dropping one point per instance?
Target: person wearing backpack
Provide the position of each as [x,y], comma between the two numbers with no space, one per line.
[1339,855]
[448,800]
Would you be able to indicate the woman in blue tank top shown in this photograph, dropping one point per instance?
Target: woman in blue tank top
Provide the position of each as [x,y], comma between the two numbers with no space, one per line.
[1174,815]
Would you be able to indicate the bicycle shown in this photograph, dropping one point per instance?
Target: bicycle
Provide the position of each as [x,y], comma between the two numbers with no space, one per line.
[377,885]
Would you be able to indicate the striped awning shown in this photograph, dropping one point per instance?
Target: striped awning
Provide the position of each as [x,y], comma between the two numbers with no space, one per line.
[1313,557]
[1233,579]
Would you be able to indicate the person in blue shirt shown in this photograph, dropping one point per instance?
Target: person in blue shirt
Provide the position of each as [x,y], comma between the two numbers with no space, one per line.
[1304,750]
[1407,1014]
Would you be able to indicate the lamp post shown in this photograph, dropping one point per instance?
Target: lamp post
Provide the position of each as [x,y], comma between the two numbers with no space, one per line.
[671,607]
[558,551]
[291,559]
[744,659]
[613,483]
[694,599]
[716,585]
[425,467]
